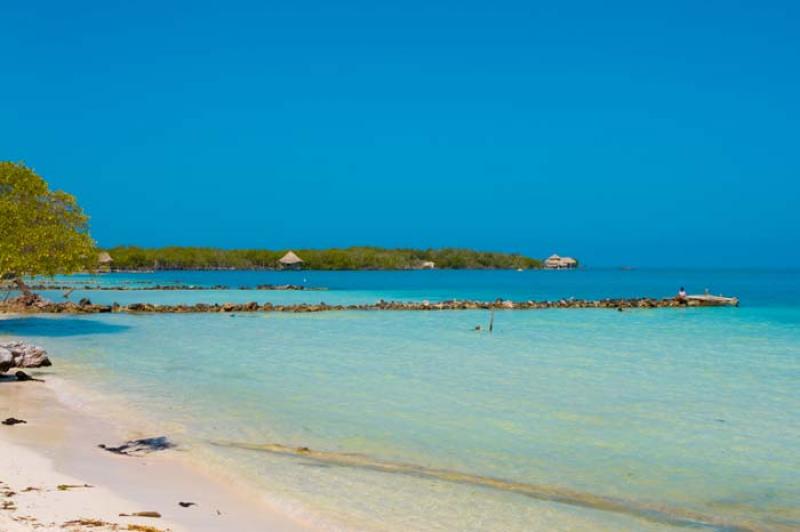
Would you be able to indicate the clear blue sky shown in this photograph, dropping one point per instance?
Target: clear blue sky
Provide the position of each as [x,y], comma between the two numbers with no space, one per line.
[643,133]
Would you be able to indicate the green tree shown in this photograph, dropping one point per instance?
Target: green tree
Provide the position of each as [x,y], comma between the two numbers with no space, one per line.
[42,232]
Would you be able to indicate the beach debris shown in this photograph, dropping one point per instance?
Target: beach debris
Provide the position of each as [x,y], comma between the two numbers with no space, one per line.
[8,505]
[11,421]
[186,504]
[154,515]
[28,520]
[140,447]
[22,376]
[67,487]
[22,355]
[31,488]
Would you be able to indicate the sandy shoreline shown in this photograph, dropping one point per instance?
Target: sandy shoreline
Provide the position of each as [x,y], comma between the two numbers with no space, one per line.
[58,446]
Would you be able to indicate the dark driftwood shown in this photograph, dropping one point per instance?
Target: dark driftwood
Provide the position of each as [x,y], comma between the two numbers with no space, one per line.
[140,447]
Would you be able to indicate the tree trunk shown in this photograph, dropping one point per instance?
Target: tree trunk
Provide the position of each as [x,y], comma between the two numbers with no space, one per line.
[25,289]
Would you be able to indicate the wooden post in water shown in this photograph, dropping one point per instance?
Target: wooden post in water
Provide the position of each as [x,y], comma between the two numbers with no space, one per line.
[491,320]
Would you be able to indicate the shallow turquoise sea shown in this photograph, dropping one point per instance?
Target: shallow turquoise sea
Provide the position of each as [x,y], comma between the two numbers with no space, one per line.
[643,419]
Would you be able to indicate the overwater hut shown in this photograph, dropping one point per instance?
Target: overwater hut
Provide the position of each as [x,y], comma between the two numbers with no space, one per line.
[569,262]
[290,261]
[554,262]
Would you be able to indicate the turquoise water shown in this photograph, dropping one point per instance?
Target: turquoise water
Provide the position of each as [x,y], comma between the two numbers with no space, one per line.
[752,286]
[682,416]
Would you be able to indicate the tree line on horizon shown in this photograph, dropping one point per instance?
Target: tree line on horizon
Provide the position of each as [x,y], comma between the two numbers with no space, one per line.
[351,258]
[45,232]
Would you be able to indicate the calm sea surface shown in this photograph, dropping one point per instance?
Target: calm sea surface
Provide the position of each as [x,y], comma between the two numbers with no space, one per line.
[563,418]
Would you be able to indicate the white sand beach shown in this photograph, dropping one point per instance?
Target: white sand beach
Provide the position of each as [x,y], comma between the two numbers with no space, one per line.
[53,476]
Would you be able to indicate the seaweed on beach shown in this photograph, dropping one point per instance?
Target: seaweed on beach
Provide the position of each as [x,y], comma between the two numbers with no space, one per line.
[86,522]
[148,513]
[145,528]
[67,487]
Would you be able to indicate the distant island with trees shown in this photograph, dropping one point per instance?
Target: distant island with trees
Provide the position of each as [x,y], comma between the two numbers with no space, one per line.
[350,258]
[45,232]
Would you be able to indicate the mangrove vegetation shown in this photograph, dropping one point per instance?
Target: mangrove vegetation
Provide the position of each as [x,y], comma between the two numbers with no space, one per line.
[351,258]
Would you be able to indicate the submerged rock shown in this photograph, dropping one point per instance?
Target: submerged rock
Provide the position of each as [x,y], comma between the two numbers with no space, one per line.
[22,355]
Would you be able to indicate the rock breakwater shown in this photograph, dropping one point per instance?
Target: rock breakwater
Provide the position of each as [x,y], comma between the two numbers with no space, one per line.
[87,307]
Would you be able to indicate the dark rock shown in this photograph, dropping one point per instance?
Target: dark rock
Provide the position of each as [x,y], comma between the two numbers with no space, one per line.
[13,421]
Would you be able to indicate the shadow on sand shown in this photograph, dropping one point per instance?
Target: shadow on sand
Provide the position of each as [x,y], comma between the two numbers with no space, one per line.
[57,326]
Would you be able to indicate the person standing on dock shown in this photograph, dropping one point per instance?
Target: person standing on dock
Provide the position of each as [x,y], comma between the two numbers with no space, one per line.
[682,294]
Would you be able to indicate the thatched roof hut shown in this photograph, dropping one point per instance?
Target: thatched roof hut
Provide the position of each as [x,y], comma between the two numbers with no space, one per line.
[104,258]
[290,260]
